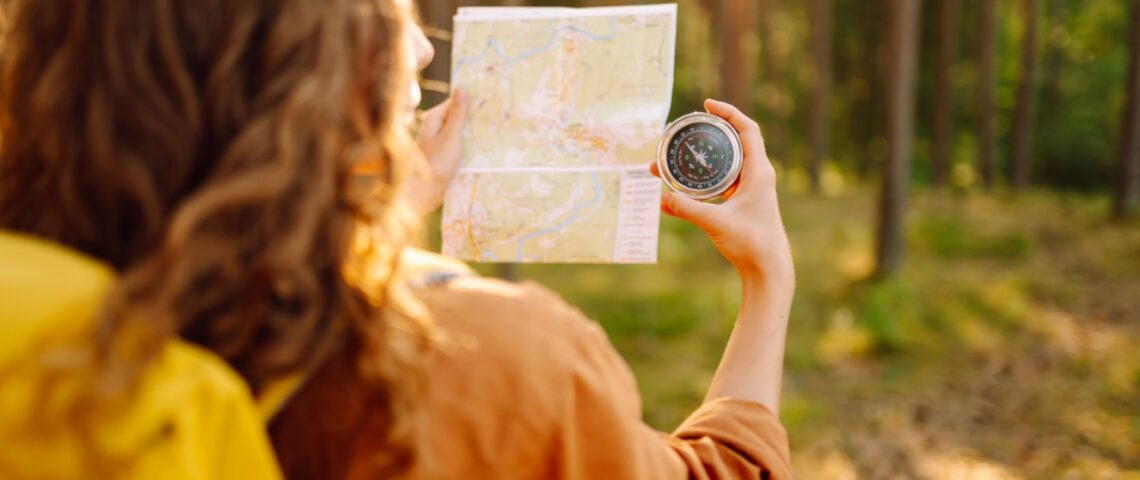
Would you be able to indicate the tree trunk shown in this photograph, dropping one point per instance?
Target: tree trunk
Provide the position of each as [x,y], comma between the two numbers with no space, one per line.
[1056,16]
[772,102]
[873,52]
[766,26]
[942,136]
[1023,123]
[737,25]
[903,44]
[1127,198]
[987,29]
[821,94]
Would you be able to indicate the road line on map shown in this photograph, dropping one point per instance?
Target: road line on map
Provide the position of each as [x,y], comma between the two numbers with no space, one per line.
[471,218]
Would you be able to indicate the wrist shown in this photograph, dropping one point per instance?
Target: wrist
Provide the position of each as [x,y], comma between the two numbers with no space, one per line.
[770,273]
[773,283]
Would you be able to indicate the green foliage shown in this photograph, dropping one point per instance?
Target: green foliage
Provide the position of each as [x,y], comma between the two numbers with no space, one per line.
[951,237]
[885,307]
[1082,94]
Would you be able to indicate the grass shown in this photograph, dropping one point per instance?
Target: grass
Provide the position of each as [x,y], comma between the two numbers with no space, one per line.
[1006,348]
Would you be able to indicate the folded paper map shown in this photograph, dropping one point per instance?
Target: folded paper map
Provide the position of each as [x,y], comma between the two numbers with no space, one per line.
[566,109]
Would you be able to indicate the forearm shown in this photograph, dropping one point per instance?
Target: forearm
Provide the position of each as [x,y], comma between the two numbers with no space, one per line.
[748,230]
[753,363]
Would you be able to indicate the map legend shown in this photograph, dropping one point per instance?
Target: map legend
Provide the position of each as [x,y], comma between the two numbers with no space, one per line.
[638,217]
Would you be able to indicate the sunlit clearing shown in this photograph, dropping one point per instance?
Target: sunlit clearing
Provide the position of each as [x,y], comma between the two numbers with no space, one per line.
[963,176]
[831,181]
[843,339]
[964,467]
[856,262]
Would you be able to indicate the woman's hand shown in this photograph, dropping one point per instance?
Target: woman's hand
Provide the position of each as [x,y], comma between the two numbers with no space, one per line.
[439,139]
[746,227]
[748,231]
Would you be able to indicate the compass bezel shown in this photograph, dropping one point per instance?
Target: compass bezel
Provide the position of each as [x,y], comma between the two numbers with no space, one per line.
[678,126]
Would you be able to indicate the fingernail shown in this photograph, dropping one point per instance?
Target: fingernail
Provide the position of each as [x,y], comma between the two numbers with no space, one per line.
[460,95]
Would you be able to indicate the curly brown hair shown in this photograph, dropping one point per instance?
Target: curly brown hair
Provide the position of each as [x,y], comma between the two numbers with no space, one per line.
[206,150]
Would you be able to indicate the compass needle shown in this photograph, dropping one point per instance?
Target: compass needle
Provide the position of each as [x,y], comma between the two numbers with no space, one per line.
[700,155]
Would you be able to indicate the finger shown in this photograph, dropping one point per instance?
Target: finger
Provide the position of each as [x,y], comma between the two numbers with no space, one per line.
[731,191]
[699,213]
[432,120]
[740,121]
[751,139]
[456,114]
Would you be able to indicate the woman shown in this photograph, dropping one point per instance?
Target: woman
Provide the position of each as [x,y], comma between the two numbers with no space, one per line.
[245,169]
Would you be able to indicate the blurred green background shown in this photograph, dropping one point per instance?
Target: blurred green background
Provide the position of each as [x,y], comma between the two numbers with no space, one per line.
[1007,345]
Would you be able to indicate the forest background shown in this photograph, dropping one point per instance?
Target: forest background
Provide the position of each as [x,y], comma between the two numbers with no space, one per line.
[961,184]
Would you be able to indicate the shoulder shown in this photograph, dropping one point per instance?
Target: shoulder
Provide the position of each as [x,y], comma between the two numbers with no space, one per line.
[523,327]
[493,310]
[508,375]
[498,304]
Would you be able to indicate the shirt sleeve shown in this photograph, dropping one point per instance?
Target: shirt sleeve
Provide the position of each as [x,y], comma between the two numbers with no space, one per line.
[601,429]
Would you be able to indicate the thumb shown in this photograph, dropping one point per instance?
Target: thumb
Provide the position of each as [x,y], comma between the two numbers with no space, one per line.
[696,212]
[432,120]
[456,113]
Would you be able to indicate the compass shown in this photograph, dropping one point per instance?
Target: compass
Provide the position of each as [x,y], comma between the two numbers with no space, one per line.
[699,156]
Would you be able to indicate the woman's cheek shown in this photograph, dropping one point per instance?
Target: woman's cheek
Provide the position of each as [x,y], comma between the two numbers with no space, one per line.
[414,97]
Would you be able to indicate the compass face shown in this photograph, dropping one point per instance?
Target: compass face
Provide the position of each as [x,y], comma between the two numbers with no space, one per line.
[699,156]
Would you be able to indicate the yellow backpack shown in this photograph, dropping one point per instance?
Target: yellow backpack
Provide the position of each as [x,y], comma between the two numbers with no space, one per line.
[192,417]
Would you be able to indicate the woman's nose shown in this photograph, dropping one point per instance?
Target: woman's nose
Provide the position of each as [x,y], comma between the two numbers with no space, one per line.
[424,51]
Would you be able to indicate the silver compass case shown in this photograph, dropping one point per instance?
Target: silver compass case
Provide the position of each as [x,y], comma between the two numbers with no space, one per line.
[665,161]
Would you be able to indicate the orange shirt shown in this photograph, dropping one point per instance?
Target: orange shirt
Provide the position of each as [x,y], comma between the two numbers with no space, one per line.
[530,388]
[533,389]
